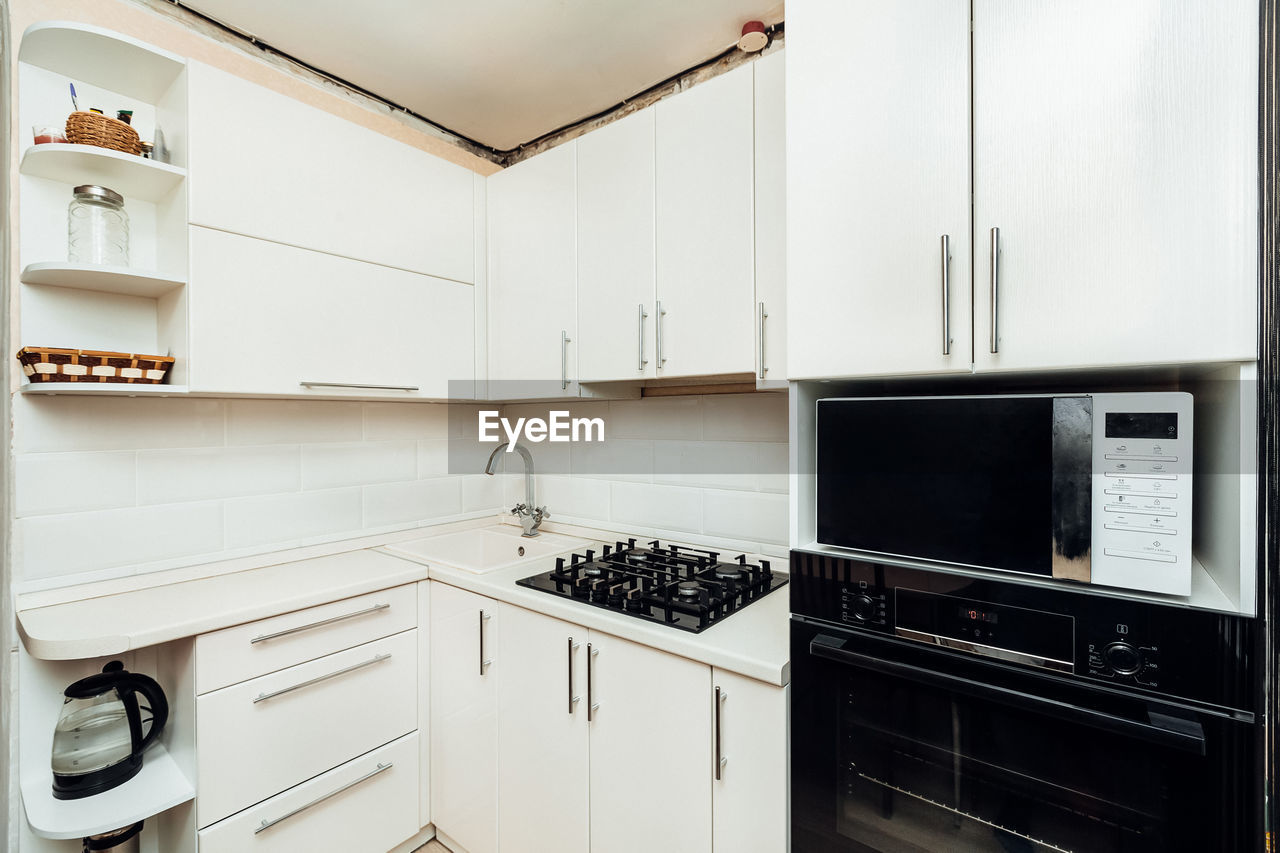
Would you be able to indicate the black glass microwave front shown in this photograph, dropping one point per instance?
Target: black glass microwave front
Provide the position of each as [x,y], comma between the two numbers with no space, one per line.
[991,482]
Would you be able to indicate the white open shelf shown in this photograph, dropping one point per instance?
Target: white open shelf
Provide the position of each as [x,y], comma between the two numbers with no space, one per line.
[103,389]
[159,785]
[128,174]
[113,61]
[104,279]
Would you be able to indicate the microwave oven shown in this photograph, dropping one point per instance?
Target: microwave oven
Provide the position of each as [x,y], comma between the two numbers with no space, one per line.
[1091,488]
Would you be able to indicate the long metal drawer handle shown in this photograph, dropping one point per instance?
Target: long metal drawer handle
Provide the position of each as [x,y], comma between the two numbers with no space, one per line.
[720,759]
[995,290]
[658,310]
[592,707]
[262,697]
[358,385]
[484,662]
[267,824]
[763,315]
[374,609]
[946,294]
[640,320]
[573,700]
[564,359]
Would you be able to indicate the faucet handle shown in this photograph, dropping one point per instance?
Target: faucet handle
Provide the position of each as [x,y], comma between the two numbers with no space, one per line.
[541,513]
[519,509]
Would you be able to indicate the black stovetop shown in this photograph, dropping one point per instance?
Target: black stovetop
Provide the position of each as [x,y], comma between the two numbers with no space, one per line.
[687,588]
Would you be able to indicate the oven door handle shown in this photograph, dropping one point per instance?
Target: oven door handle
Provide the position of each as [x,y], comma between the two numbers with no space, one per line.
[1179,733]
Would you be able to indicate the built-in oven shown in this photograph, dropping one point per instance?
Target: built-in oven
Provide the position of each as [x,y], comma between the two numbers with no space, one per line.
[938,711]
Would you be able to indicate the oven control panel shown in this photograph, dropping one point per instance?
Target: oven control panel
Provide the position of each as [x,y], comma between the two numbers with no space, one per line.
[862,603]
[1126,660]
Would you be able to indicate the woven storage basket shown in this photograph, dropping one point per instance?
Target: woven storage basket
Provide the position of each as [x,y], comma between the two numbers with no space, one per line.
[103,131]
[42,364]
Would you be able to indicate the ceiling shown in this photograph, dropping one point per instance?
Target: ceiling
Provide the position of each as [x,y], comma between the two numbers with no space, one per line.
[501,72]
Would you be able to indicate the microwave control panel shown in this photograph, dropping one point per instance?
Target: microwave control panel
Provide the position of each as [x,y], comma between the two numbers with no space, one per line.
[1141,536]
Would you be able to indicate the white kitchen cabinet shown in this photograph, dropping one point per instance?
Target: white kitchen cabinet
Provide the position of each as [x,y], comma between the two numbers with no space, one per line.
[877,113]
[265,165]
[750,805]
[651,744]
[532,276]
[615,200]
[464,722]
[266,318]
[770,208]
[1115,149]
[704,228]
[543,757]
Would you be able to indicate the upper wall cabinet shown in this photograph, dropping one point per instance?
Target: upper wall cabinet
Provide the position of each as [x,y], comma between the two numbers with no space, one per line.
[532,277]
[704,323]
[771,219]
[268,166]
[877,185]
[1115,149]
[1114,185]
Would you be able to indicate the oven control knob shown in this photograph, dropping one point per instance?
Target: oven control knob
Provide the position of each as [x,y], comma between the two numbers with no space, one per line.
[864,607]
[1122,658]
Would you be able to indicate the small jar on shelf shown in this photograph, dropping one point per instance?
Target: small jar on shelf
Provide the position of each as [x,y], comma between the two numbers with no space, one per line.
[97,227]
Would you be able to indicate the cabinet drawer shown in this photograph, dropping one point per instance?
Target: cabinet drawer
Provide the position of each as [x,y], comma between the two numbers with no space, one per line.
[246,651]
[368,805]
[259,737]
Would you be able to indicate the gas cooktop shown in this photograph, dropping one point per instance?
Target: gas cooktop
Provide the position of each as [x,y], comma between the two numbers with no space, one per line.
[687,588]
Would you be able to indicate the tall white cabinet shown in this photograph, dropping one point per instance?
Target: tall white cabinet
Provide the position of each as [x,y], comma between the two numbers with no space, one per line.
[1114,183]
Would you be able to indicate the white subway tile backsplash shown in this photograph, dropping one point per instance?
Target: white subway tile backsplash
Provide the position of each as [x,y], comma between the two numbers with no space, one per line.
[328,466]
[63,423]
[279,519]
[712,464]
[433,458]
[293,421]
[655,418]
[579,497]
[58,545]
[405,421]
[613,459]
[46,483]
[741,515]
[481,492]
[774,460]
[670,507]
[416,501]
[193,474]
[745,417]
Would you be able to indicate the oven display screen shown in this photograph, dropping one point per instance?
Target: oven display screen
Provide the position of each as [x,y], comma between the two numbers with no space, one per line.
[1142,425]
[972,615]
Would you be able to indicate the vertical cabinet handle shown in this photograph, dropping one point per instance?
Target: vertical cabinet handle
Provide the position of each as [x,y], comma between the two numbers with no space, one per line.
[761,316]
[564,359]
[720,759]
[484,662]
[640,336]
[572,699]
[592,705]
[946,294]
[995,290]
[662,359]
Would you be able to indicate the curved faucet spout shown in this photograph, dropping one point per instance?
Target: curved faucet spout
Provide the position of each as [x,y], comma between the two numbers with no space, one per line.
[492,465]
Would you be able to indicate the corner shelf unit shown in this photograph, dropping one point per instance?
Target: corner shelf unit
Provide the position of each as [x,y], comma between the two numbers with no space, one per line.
[103,389]
[132,176]
[103,279]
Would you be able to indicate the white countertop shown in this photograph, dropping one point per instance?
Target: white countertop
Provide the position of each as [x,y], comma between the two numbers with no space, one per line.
[754,642]
[106,619]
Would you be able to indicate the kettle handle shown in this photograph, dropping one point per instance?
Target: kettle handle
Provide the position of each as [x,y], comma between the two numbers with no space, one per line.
[148,687]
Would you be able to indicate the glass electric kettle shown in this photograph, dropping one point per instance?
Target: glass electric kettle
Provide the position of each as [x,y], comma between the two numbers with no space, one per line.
[98,740]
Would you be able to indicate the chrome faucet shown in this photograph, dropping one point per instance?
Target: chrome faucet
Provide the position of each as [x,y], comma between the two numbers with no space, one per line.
[530,516]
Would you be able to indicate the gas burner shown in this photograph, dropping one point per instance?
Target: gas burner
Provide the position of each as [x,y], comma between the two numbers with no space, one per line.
[685,587]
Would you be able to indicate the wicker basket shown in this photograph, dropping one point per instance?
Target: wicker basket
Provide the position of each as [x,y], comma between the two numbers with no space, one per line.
[42,364]
[103,131]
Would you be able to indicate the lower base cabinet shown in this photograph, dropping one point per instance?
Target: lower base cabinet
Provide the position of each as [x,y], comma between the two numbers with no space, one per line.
[573,740]
[368,805]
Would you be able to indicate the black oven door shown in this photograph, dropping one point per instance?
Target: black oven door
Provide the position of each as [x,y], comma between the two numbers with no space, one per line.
[903,748]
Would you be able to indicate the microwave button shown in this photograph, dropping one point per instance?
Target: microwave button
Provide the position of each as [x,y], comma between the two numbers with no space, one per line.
[1140,555]
[1140,476]
[1165,495]
[1140,510]
[1134,457]
[1140,528]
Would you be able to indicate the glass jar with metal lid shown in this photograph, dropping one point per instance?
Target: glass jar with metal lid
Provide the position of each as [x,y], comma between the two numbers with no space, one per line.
[97,227]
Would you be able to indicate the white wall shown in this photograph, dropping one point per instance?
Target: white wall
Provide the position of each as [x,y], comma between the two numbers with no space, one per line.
[111,486]
[709,469]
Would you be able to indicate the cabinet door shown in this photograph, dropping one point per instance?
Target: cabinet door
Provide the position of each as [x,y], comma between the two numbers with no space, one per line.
[542,735]
[532,275]
[266,318]
[704,228]
[650,744]
[771,220]
[1115,148]
[266,165]
[877,174]
[464,725]
[751,814]
[615,250]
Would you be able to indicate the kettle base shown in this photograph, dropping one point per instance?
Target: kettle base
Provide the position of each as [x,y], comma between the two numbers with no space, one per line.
[78,785]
